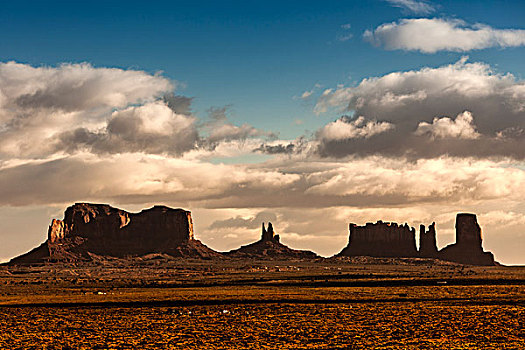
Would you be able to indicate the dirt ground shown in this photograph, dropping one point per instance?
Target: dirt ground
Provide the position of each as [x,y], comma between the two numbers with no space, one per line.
[163,303]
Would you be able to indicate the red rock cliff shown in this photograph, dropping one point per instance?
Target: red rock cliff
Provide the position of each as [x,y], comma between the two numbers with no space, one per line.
[112,226]
[102,230]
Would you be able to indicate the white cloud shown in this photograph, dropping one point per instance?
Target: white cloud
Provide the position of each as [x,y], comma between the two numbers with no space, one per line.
[348,128]
[427,100]
[132,178]
[151,128]
[462,127]
[74,87]
[399,89]
[76,107]
[38,104]
[431,180]
[414,6]
[228,132]
[430,35]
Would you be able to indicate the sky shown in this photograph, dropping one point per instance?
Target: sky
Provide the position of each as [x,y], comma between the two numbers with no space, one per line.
[309,114]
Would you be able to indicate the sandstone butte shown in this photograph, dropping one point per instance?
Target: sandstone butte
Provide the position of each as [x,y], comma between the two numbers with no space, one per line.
[99,230]
[385,239]
[90,231]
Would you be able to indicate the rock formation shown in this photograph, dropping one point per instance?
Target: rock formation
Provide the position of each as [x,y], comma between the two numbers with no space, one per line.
[269,235]
[392,240]
[92,231]
[270,247]
[427,241]
[101,230]
[468,248]
[382,239]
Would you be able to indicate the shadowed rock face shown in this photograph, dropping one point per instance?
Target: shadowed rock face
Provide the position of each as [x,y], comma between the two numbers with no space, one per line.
[427,241]
[381,239]
[392,240]
[268,235]
[468,232]
[468,248]
[111,231]
[99,229]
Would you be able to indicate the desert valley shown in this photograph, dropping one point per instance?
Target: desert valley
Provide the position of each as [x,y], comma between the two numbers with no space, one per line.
[146,271]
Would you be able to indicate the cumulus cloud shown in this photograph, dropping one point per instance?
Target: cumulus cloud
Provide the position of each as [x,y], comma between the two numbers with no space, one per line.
[461,127]
[309,93]
[77,107]
[74,87]
[151,128]
[430,35]
[414,6]
[37,104]
[432,101]
[349,128]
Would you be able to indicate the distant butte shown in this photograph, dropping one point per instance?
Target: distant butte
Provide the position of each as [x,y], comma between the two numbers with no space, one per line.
[98,231]
[91,230]
[269,246]
[384,239]
[468,247]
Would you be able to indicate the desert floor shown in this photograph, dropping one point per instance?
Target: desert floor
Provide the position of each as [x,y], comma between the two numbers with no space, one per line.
[157,302]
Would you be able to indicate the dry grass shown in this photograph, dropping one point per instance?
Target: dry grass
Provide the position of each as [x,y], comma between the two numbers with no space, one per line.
[421,325]
[262,307]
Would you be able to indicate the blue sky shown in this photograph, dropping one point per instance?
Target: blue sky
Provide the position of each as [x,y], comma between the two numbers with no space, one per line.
[252,55]
[356,111]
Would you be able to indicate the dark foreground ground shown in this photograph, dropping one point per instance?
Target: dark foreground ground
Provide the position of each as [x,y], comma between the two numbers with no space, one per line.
[162,303]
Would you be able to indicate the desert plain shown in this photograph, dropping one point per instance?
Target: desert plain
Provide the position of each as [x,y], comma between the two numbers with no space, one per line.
[161,302]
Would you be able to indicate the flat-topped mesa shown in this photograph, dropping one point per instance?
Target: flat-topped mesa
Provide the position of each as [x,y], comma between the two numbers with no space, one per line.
[90,230]
[468,231]
[382,239]
[427,241]
[468,247]
[107,224]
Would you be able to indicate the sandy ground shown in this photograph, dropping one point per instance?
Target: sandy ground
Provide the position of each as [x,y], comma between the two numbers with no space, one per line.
[164,303]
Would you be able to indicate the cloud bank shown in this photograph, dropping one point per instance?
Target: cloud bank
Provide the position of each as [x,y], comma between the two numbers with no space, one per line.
[430,35]
[462,109]
[77,107]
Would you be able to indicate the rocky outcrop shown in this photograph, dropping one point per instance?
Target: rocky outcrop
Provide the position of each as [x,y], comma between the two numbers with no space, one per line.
[109,225]
[390,240]
[269,247]
[382,239]
[427,241]
[101,230]
[268,234]
[468,247]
